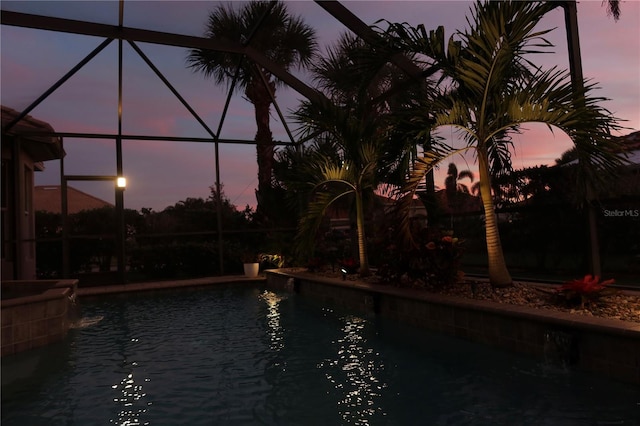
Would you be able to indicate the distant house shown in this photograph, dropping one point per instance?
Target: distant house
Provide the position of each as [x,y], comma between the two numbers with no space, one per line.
[628,147]
[631,145]
[628,183]
[340,219]
[26,144]
[626,191]
[48,198]
[463,203]
[340,216]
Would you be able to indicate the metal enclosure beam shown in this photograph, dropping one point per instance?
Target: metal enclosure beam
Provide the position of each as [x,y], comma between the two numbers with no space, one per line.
[40,22]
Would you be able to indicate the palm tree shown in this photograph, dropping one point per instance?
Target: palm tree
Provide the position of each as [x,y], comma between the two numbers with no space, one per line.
[352,177]
[453,187]
[613,8]
[356,154]
[282,38]
[495,88]
[452,182]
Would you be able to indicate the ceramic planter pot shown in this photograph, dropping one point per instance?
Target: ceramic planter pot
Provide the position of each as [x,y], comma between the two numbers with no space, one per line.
[251,269]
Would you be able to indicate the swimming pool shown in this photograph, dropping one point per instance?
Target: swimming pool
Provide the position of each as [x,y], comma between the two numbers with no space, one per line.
[238,355]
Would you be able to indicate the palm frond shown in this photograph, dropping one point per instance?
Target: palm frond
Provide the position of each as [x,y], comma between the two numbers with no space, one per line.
[405,194]
[265,26]
[313,217]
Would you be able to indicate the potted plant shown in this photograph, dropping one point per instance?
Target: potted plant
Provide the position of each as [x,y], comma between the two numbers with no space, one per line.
[270,261]
[251,264]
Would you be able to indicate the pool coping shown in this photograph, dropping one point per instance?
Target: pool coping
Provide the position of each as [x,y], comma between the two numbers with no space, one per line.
[166,285]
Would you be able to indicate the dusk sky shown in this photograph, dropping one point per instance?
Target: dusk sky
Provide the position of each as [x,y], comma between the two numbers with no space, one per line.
[162,173]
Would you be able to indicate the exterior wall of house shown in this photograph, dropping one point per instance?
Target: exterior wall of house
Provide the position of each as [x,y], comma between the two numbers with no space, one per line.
[18,221]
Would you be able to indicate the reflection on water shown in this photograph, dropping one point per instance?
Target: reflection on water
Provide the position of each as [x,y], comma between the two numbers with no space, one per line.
[130,400]
[86,322]
[354,373]
[130,394]
[243,356]
[275,331]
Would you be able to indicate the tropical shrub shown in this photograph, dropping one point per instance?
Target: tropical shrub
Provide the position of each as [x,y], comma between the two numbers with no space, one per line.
[434,261]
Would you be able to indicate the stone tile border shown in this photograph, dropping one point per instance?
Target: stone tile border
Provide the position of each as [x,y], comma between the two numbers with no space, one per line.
[603,346]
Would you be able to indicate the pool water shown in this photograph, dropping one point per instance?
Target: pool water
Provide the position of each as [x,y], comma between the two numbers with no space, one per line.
[247,356]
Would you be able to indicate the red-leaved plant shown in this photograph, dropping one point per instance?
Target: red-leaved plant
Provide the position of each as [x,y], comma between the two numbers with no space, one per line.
[587,289]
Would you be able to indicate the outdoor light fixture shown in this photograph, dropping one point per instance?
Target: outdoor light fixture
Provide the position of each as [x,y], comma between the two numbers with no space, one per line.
[121,182]
[344,273]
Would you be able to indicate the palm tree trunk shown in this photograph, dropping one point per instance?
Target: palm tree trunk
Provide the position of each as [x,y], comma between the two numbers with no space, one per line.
[362,241]
[498,273]
[259,96]
[577,80]
[264,145]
